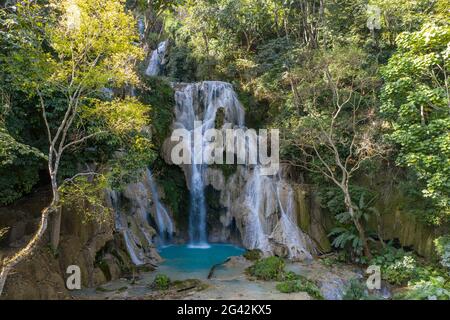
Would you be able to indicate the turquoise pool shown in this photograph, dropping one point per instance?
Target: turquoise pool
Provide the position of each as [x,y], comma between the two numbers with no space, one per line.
[185,259]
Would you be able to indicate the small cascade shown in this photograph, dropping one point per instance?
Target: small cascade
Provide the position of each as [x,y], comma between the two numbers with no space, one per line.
[141,27]
[163,220]
[121,226]
[157,60]
[255,189]
[197,211]
[287,231]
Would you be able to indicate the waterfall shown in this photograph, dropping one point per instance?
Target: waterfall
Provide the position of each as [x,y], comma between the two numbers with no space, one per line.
[265,216]
[157,60]
[254,236]
[122,227]
[163,220]
[197,211]
[200,102]
[289,233]
[141,27]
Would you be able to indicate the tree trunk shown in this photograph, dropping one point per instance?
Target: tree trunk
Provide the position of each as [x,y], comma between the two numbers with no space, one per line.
[3,275]
[56,218]
[362,236]
[10,263]
[358,225]
[56,228]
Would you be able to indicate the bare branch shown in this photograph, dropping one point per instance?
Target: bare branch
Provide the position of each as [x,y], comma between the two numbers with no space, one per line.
[44,115]
[75,142]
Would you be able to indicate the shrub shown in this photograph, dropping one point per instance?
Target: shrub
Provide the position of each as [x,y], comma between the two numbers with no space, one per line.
[161,282]
[401,271]
[300,285]
[435,288]
[397,266]
[253,255]
[442,245]
[329,261]
[289,276]
[271,268]
[355,290]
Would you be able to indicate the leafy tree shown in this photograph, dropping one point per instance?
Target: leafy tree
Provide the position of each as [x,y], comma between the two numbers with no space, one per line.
[21,159]
[416,101]
[338,134]
[72,49]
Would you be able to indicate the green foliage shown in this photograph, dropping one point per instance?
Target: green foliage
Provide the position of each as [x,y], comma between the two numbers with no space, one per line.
[158,93]
[347,238]
[119,117]
[120,126]
[271,268]
[330,261]
[253,255]
[356,290]
[404,269]
[400,271]
[175,194]
[290,276]
[59,55]
[434,288]
[182,65]
[345,235]
[333,200]
[442,245]
[397,266]
[23,161]
[161,282]
[128,167]
[300,285]
[100,38]
[415,100]
[84,194]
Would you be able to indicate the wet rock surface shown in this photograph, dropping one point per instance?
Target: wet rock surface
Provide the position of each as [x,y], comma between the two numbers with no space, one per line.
[229,282]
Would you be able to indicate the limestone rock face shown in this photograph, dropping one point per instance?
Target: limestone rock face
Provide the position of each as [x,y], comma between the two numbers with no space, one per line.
[96,249]
[310,217]
[130,210]
[264,211]
[261,209]
[36,278]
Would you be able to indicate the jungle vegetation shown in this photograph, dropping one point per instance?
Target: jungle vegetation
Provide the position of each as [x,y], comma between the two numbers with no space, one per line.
[358,88]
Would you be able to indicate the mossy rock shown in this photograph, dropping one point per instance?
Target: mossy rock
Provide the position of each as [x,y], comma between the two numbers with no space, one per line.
[271,268]
[101,289]
[161,282]
[300,284]
[104,267]
[253,255]
[181,285]
[146,268]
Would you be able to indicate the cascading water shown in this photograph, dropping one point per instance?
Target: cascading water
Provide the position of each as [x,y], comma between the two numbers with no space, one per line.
[289,234]
[253,199]
[122,226]
[197,211]
[200,102]
[254,236]
[163,220]
[157,60]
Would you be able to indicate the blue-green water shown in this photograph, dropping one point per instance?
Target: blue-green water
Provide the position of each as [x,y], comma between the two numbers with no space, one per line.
[192,259]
